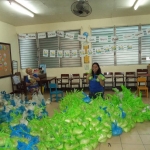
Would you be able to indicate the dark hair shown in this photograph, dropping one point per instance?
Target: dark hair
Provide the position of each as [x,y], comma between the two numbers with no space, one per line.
[98,71]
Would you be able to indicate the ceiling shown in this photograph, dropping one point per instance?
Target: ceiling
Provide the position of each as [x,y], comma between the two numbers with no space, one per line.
[51,11]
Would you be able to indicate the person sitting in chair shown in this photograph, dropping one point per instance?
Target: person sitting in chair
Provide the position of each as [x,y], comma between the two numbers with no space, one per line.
[31,81]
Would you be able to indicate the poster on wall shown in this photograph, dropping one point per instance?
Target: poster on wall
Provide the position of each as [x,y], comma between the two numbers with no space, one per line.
[128,36]
[5,60]
[52,53]
[51,34]
[139,34]
[148,31]
[45,53]
[114,38]
[107,49]
[60,33]
[22,36]
[82,53]
[82,38]
[90,52]
[69,36]
[43,66]
[98,51]
[129,47]
[113,47]
[103,39]
[74,53]
[120,47]
[59,53]
[41,35]
[91,39]
[66,53]
[31,36]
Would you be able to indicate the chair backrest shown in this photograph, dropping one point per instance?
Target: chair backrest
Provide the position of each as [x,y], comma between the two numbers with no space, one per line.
[76,76]
[142,80]
[65,76]
[84,75]
[108,73]
[130,73]
[140,72]
[119,73]
[53,86]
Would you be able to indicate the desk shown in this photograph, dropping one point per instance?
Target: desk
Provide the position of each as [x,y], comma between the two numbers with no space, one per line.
[46,80]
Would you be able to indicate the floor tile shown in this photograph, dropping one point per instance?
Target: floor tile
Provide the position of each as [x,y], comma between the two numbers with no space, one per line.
[130,139]
[133,147]
[147,147]
[143,128]
[145,139]
[114,139]
[105,146]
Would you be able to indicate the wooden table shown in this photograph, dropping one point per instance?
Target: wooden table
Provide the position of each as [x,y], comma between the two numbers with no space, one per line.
[46,80]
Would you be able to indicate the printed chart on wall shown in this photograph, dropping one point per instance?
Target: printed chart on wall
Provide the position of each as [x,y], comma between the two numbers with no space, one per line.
[5,60]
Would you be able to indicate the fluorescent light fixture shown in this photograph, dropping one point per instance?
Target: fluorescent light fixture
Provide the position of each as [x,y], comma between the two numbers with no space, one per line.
[20,8]
[137,4]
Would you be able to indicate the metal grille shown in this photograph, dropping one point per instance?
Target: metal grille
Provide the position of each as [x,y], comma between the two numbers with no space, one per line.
[104,59]
[28,53]
[127,57]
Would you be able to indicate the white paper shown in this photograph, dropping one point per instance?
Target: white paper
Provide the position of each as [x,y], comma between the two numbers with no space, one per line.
[32,36]
[59,53]
[41,35]
[148,31]
[106,48]
[103,39]
[114,38]
[69,36]
[139,34]
[90,52]
[128,36]
[60,33]
[82,38]
[98,51]
[52,53]
[91,39]
[113,47]
[74,53]
[22,36]
[66,53]
[82,53]
[51,34]
[45,53]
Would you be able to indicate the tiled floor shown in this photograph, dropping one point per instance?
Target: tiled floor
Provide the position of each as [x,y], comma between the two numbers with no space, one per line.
[137,139]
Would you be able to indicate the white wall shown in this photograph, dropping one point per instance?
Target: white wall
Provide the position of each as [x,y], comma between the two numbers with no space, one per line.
[8,35]
[86,26]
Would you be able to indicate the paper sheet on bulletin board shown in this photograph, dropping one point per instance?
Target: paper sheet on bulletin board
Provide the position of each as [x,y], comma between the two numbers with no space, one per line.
[5,60]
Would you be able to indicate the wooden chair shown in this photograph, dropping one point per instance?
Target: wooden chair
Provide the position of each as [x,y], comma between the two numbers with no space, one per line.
[108,78]
[119,78]
[84,80]
[130,79]
[142,85]
[141,72]
[64,80]
[18,85]
[75,80]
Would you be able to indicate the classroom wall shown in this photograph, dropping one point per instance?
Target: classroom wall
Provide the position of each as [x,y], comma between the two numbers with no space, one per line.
[8,35]
[86,26]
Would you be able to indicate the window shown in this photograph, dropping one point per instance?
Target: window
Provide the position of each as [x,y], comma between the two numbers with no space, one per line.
[49,44]
[127,57]
[67,44]
[28,53]
[145,45]
[106,58]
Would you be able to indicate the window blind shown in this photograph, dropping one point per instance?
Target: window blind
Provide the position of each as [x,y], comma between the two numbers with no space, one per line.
[68,44]
[145,45]
[106,58]
[49,44]
[127,57]
[28,53]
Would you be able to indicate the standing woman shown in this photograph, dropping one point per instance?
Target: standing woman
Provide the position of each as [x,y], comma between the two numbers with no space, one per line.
[96,81]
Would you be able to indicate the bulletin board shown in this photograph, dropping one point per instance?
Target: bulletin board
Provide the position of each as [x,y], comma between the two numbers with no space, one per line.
[5,60]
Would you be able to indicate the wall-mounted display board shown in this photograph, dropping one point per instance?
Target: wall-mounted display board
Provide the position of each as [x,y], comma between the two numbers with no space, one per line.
[5,60]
